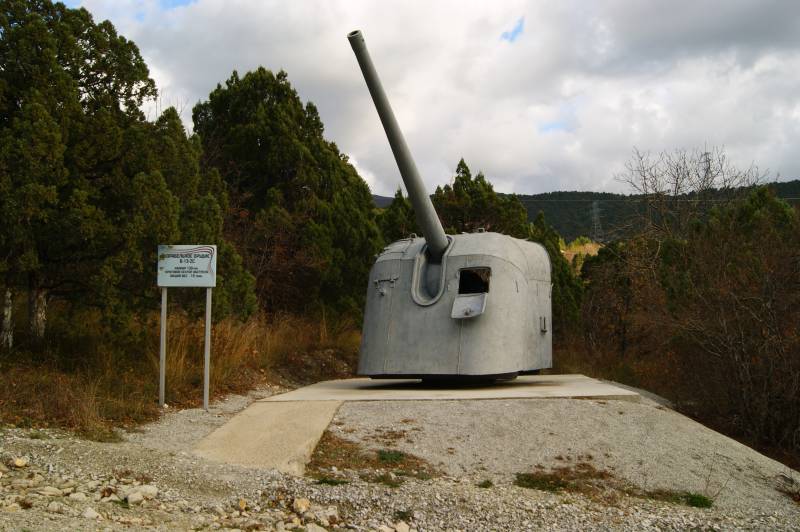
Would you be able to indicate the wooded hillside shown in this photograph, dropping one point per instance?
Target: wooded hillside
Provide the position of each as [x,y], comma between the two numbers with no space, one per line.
[572,213]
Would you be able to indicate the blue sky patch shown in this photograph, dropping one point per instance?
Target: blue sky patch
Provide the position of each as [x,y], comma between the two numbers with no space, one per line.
[566,119]
[171,4]
[552,127]
[163,4]
[515,32]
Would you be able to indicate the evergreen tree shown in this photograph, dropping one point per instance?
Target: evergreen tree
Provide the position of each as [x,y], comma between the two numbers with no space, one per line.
[398,220]
[300,213]
[567,287]
[88,187]
[471,203]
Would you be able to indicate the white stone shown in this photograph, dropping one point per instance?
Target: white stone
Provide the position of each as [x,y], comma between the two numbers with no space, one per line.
[311,527]
[301,505]
[90,513]
[50,491]
[55,507]
[148,491]
[135,498]
[331,513]
[401,526]
[77,496]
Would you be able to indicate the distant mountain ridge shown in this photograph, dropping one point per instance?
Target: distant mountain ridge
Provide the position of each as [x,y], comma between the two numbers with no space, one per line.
[382,201]
[592,214]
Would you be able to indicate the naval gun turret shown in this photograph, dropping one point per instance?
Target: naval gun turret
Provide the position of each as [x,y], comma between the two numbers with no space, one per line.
[466,307]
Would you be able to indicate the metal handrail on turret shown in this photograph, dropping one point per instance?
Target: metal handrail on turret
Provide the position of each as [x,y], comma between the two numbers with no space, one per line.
[427,218]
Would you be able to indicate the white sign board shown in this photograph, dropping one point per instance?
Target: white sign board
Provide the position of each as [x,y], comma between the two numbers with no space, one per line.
[187,266]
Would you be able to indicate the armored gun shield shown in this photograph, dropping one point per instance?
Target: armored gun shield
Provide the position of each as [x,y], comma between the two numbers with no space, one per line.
[451,306]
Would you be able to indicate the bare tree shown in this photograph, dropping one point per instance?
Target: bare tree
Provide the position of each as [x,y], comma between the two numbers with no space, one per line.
[702,302]
[678,186]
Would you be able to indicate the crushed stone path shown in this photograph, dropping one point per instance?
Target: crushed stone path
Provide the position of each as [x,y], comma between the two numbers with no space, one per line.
[52,480]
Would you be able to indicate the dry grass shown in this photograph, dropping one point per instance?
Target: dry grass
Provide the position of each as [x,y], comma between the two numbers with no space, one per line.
[601,485]
[583,477]
[589,249]
[384,466]
[295,349]
[39,396]
[576,252]
[695,500]
[89,385]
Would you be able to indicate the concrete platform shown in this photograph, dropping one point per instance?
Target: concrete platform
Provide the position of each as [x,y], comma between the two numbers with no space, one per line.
[526,387]
[278,436]
[280,432]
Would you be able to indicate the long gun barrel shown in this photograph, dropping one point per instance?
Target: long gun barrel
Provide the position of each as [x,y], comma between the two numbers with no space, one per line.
[426,215]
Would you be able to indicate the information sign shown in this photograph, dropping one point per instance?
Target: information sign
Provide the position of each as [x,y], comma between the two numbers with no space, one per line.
[187,266]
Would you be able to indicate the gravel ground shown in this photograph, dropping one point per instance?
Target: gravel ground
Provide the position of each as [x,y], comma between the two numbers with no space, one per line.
[642,443]
[51,480]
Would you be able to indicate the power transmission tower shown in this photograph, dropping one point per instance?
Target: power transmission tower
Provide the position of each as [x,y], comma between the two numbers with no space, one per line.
[597,228]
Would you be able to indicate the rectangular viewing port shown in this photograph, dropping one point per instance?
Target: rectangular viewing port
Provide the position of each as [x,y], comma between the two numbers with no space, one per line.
[474,280]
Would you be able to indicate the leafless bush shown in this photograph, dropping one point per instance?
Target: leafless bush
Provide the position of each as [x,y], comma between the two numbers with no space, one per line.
[676,187]
[702,305]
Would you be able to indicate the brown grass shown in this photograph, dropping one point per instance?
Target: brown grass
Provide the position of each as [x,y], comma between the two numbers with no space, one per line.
[376,466]
[43,397]
[583,477]
[590,249]
[389,437]
[91,385]
[601,485]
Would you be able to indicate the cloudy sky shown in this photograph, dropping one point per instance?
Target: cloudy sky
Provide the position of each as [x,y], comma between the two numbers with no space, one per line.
[538,95]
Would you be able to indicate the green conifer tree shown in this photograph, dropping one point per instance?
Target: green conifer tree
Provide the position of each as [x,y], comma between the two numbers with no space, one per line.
[88,187]
[300,213]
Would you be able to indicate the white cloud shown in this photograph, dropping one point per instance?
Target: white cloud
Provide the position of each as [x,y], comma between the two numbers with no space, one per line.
[559,108]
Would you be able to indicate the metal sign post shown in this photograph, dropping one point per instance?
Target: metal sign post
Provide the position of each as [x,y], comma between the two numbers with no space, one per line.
[207,350]
[162,355]
[186,266]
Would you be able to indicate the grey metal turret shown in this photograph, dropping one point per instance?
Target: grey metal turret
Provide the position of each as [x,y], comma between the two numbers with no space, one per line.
[426,215]
[466,306]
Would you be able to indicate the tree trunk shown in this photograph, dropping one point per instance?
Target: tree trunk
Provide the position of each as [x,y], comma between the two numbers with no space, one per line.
[7,332]
[37,308]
